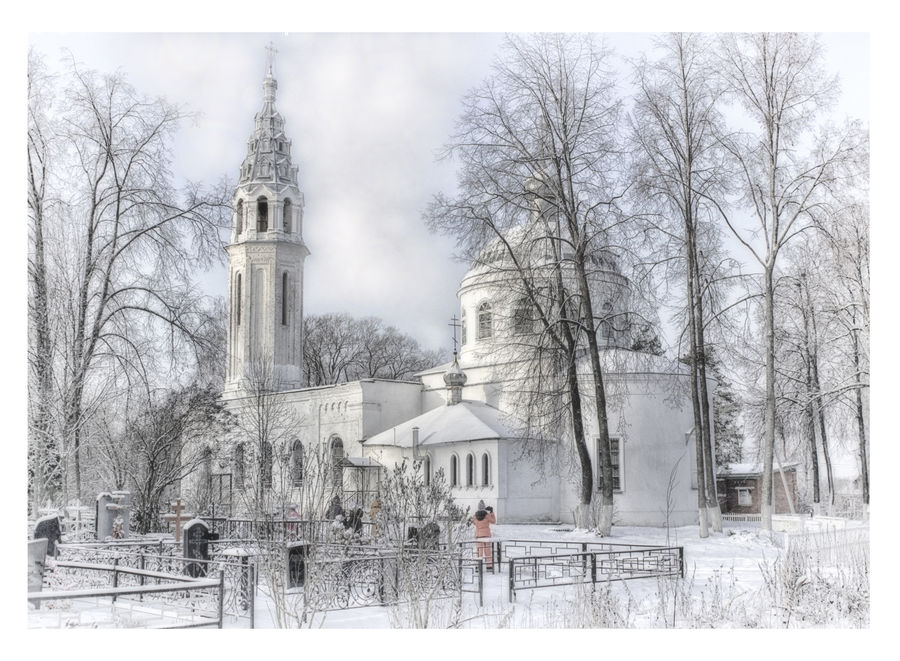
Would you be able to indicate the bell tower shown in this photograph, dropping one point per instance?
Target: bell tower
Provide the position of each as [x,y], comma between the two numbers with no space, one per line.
[265,259]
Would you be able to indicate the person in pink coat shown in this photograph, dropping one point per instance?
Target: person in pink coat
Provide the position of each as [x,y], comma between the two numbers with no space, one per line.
[482,521]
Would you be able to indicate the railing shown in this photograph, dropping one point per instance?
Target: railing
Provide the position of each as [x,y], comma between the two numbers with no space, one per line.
[829,546]
[379,580]
[202,598]
[741,518]
[533,572]
[240,575]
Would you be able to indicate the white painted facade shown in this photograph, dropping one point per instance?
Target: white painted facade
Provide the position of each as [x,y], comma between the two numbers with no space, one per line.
[459,410]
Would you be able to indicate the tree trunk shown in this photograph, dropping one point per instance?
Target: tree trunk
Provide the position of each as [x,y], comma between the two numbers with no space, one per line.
[861,425]
[769,432]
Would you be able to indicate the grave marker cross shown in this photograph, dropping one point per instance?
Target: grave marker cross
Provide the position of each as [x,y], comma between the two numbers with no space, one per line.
[177,508]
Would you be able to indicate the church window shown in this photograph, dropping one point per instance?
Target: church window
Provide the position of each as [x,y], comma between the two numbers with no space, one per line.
[485,470]
[262,215]
[606,329]
[206,468]
[297,463]
[426,470]
[237,300]
[337,455]
[523,317]
[284,298]
[265,465]
[454,471]
[239,217]
[615,454]
[287,216]
[463,329]
[485,324]
[470,470]
[238,460]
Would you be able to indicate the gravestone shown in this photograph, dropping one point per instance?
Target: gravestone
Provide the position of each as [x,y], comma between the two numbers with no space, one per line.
[196,546]
[49,528]
[37,561]
[113,515]
[297,552]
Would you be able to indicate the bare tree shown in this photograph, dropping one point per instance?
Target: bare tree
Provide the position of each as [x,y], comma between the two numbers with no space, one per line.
[543,130]
[676,121]
[121,244]
[779,82]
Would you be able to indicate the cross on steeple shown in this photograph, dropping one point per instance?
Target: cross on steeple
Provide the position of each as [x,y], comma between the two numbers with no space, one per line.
[455,323]
[271,58]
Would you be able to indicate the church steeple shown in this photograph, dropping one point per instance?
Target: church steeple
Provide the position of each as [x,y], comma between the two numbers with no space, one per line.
[266,254]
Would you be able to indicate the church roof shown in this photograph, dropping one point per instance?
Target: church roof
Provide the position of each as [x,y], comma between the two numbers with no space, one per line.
[465,421]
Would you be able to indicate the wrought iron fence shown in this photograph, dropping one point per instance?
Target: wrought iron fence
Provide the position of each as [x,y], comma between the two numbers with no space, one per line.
[200,601]
[239,571]
[541,571]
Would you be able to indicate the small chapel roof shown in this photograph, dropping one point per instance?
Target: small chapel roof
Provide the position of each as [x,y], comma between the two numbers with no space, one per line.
[751,468]
[465,421]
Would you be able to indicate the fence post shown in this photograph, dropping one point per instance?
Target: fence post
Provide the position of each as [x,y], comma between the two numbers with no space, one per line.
[142,563]
[115,576]
[251,588]
[512,591]
[681,560]
[480,581]
[583,557]
[221,596]
[594,571]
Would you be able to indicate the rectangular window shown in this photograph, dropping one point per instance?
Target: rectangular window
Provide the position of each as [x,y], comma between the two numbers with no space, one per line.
[745,498]
[615,453]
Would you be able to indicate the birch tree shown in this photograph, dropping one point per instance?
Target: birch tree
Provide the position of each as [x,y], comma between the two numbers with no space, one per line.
[787,170]
[544,129]
[680,168]
[121,246]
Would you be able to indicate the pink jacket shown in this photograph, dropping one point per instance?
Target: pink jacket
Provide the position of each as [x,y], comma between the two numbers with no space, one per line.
[483,527]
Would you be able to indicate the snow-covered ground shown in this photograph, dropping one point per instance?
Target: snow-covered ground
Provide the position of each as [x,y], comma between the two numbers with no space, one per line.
[738,578]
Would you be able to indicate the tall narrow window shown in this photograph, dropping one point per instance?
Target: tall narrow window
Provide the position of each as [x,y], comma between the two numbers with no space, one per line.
[454,471]
[470,470]
[239,465]
[297,463]
[284,298]
[426,470]
[287,216]
[523,317]
[606,328]
[237,300]
[485,323]
[485,470]
[262,215]
[265,466]
[239,217]
[615,447]
[337,456]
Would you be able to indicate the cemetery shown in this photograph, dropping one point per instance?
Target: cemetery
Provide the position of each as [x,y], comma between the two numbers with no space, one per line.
[214,571]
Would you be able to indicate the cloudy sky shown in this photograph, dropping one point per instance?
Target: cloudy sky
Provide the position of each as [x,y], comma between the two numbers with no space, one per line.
[368,114]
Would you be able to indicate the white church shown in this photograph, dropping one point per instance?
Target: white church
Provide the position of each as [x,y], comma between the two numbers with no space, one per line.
[459,417]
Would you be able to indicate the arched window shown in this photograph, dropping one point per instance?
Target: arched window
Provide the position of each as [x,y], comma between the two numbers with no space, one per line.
[485,328]
[454,471]
[523,317]
[470,470]
[237,300]
[265,466]
[287,217]
[297,463]
[284,298]
[239,217]
[337,455]
[606,327]
[462,323]
[262,215]
[426,470]
[238,459]
[485,470]
[206,467]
